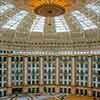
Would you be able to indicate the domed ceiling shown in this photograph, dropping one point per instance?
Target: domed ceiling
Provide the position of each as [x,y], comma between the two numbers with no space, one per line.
[48,6]
[70,22]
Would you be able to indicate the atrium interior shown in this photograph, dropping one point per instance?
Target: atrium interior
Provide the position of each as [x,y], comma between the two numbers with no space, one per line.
[49,47]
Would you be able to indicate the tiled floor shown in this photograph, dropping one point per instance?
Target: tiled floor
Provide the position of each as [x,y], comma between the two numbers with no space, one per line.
[78,98]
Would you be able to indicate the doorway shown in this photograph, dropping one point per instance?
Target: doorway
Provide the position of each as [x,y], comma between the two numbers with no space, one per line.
[17,91]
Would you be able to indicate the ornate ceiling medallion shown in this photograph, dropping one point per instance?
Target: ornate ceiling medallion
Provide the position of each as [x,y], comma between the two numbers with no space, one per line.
[49,10]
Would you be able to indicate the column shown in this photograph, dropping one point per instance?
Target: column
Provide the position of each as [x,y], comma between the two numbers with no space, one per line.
[90,76]
[41,74]
[41,70]
[73,75]
[57,74]
[9,90]
[25,89]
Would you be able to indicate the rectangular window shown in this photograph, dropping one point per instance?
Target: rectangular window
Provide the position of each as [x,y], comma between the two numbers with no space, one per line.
[0,65]
[61,25]
[0,78]
[38,24]
[0,72]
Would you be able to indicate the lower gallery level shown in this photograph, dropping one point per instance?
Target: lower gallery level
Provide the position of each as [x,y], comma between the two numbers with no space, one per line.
[32,73]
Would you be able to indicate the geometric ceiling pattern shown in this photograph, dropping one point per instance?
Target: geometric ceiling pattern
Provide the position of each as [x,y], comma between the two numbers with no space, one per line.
[5,7]
[14,21]
[56,24]
[95,8]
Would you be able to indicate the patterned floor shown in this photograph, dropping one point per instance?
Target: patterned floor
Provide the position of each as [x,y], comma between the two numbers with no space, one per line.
[78,98]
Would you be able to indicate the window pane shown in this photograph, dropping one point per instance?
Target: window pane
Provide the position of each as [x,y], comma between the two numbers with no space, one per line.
[85,23]
[15,20]
[38,24]
[61,25]
[4,8]
[94,8]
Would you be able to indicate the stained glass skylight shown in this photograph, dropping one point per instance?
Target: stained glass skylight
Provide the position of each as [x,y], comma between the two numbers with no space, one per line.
[94,8]
[38,24]
[4,8]
[85,23]
[15,20]
[61,25]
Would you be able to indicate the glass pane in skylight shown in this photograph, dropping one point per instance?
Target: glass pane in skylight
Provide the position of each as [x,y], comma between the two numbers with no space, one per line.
[61,25]
[38,24]
[85,23]
[94,8]
[15,20]
[4,8]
